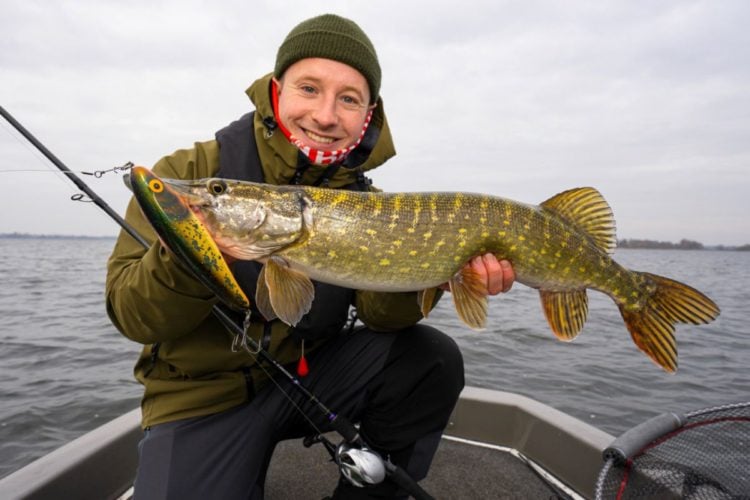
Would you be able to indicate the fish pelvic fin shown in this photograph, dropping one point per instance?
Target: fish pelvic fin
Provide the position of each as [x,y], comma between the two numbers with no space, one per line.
[426,300]
[587,209]
[469,297]
[289,293]
[263,297]
[652,327]
[566,312]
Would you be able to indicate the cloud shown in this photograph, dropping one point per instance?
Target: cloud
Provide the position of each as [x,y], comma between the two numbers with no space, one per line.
[647,101]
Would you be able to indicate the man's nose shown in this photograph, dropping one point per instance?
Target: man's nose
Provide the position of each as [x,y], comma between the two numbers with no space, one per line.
[326,112]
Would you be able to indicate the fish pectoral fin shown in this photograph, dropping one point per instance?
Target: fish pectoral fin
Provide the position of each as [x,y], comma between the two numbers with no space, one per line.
[426,299]
[565,311]
[470,297]
[290,292]
[263,297]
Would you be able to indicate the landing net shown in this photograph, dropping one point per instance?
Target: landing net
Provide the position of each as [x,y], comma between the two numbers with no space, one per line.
[701,455]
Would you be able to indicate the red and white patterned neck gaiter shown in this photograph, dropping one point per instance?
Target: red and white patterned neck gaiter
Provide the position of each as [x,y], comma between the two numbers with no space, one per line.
[316,156]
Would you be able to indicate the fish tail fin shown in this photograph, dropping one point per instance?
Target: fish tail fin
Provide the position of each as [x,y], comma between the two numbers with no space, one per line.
[670,302]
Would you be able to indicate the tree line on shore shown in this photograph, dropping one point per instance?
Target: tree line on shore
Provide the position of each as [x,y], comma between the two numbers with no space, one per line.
[683,244]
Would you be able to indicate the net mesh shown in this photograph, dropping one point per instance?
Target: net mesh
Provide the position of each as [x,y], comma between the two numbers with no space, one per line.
[707,458]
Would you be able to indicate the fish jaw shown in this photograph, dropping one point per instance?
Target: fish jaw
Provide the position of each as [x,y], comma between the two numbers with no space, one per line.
[182,232]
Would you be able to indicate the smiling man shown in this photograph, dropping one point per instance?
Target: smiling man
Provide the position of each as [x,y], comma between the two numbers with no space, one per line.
[210,415]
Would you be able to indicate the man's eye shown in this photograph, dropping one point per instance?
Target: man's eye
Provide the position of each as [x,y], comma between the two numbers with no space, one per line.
[350,101]
[307,89]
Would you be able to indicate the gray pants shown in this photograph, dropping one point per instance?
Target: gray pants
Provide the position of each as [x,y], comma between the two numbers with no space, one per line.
[401,387]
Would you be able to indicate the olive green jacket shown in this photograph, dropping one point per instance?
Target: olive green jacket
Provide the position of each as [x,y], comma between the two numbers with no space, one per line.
[152,299]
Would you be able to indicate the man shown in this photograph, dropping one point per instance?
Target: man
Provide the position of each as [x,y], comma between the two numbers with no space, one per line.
[210,415]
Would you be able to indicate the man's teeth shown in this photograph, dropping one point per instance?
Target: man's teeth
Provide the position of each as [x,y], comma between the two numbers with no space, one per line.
[319,138]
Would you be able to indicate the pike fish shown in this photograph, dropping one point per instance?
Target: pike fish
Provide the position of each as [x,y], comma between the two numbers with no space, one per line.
[415,242]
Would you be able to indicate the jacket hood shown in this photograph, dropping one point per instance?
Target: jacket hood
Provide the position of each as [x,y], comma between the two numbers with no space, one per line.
[285,154]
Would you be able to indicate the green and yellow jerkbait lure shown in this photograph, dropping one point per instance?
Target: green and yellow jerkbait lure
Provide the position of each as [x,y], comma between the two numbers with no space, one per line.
[418,241]
[180,231]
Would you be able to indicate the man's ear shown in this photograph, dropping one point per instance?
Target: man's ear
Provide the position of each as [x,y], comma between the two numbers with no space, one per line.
[278,84]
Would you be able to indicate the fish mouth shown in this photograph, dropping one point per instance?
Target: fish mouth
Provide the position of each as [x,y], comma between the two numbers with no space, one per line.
[189,192]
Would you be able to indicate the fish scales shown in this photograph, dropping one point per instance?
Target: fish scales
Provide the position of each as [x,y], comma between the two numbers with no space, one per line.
[410,241]
[417,242]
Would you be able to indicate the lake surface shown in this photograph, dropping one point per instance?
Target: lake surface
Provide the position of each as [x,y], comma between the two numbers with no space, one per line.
[65,370]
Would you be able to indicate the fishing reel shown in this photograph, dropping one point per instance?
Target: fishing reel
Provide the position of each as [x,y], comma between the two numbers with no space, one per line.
[357,463]
[360,465]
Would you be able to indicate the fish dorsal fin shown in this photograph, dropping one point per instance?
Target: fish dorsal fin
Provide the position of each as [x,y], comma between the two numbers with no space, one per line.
[290,293]
[565,311]
[587,209]
[469,297]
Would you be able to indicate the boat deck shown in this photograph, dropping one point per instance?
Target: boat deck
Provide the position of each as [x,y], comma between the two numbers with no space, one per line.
[498,445]
[459,471]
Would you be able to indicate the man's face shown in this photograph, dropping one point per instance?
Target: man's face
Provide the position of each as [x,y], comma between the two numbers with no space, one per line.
[323,103]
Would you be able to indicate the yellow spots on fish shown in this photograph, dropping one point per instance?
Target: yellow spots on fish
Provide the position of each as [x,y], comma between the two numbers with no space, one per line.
[427,235]
[461,244]
[412,252]
[462,231]
[458,202]
[378,208]
[521,237]
[364,249]
[397,204]
[410,230]
[371,232]
[434,208]
[501,234]
[341,197]
[483,220]
[457,258]
[513,248]
[485,234]
[425,265]
[439,244]
[506,222]
[332,254]
[582,269]
[385,262]
[397,243]
[404,270]
[552,265]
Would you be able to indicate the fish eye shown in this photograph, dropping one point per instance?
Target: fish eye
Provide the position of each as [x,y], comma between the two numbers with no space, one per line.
[155,185]
[217,186]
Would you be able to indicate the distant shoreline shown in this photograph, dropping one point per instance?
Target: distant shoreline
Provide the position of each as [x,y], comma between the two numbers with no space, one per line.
[27,236]
[621,244]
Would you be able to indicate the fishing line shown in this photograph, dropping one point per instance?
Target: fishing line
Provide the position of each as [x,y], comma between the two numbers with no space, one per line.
[338,423]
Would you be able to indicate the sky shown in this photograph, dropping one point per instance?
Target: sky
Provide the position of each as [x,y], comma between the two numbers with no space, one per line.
[649,102]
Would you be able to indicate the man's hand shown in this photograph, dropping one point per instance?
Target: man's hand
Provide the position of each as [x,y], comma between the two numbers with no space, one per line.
[497,275]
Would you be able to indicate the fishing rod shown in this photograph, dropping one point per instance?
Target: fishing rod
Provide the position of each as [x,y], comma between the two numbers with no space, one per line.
[358,464]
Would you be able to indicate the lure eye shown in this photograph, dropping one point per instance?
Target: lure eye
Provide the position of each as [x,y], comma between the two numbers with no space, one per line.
[156,186]
[217,186]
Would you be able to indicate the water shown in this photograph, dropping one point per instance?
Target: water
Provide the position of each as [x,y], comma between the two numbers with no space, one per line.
[65,370]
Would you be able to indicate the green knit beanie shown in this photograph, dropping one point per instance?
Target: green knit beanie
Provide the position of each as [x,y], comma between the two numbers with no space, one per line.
[331,37]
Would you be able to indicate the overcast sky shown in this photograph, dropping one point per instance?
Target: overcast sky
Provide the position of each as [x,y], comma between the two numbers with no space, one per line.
[647,101]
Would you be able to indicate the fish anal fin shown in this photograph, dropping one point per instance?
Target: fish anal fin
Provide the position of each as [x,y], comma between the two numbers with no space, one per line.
[263,298]
[426,299]
[565,311]
[587,209]
[290,292]
[470,297]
